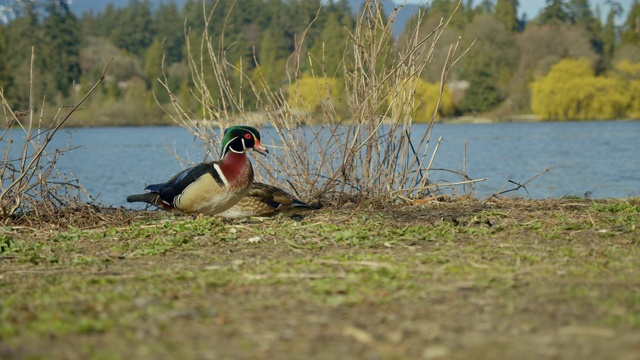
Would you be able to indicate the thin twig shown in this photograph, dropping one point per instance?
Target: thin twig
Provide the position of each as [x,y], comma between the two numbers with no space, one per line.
[518,185]
[419,188]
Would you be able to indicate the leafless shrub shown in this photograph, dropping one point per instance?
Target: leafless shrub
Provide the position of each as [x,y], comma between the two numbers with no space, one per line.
[29,179]
[372,153]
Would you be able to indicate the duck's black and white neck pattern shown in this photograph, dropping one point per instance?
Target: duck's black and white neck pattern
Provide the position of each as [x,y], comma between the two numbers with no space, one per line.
[236,170]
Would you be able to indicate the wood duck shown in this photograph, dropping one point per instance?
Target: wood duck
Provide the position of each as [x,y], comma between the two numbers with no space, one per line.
[212,187]
[266,200]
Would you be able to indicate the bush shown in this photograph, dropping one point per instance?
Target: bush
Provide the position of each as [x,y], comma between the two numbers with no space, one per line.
[426,100]
[630,72]
[29,179]
[571,91]
[372,153]
[310,93]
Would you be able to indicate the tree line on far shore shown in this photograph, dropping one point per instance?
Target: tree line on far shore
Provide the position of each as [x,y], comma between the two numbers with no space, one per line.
[563,64]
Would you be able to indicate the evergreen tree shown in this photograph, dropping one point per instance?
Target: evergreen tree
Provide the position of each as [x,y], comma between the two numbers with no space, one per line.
[444,8]
[5,78]
[153,70]
[343,11]
[489,65]
[555,11]
[302,13]
[89,23]
[331,45]
[104,23]
[580,14]
[135,28]
[507,13]
[485,7]
[62,49]
[609,35]
[631,31]
[273,53]
[23,33]
[482,94]
[169,25]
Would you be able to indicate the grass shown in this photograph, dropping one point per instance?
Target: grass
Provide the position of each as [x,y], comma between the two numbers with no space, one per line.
[505,278]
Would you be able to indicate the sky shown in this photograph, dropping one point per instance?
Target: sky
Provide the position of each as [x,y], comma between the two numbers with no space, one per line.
[533,7]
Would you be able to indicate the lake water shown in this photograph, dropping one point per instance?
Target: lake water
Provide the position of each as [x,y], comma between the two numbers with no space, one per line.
[601,158]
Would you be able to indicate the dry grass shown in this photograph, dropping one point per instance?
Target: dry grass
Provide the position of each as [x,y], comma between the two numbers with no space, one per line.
[368,155]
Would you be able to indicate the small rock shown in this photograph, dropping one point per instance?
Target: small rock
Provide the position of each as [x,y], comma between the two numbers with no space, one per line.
[436,352]
[358,334]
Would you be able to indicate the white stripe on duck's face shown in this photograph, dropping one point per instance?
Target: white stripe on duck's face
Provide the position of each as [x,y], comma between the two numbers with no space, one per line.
[205,196]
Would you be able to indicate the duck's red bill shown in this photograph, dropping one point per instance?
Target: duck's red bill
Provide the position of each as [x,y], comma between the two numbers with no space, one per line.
[258,147]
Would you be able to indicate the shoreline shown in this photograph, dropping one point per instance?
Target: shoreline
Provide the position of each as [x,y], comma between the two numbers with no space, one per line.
[254,119]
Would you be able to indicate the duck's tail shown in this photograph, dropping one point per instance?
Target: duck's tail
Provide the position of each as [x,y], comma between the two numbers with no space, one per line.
[299,204]
[150,198]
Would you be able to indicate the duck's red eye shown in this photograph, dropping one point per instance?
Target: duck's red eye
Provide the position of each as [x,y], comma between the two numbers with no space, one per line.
[247,136]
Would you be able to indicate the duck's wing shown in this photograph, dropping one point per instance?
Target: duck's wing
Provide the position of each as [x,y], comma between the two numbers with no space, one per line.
[169,190]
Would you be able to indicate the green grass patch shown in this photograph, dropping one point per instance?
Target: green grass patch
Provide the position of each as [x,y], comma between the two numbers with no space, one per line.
[517,271]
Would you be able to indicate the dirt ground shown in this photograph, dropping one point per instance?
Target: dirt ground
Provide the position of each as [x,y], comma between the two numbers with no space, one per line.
[466,279]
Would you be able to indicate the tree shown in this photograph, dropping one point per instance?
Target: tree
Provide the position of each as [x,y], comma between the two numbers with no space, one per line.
[489,65]
[272,54]
[540,47]
[302,12]
[5,77]
[23,33]
[310,93]
[135,29]
[441,47]
[329,48]
[554,12]
[482,94]
[507,13]
[153,71]
[631,29]
[103,24]
[485,7]
[579,12]
[62,39]
[609,33]
[426,98]
[343,11]
[630,73]
[571,91]
[169,25]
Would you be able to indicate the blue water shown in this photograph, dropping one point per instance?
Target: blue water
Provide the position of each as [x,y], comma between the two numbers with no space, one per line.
[601,158]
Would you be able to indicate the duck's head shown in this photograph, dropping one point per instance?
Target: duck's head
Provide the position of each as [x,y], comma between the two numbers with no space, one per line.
[239,139]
